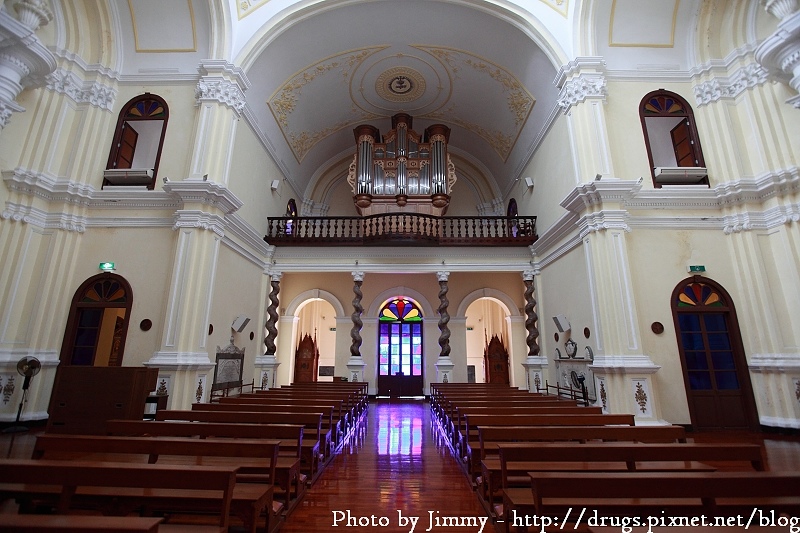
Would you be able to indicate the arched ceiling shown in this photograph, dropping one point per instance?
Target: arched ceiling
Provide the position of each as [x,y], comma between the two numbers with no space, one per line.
[485,69]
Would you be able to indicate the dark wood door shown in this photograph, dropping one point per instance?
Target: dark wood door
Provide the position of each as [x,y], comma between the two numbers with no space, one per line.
[683,145]
[306,360]
[717,383]
[495,357]
[126,147]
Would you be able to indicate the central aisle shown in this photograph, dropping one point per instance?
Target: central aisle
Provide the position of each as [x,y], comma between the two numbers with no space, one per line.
[395,467]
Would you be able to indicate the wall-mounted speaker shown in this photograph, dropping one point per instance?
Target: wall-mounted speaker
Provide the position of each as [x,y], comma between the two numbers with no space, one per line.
[529,182]
[562,323]
[274,185]
[240,323]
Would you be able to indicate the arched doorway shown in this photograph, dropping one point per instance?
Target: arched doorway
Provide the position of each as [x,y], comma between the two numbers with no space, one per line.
[98,322]
[715,372]
[315,341]
[400,348]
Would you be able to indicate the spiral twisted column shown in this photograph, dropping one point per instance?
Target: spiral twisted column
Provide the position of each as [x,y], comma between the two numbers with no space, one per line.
[267,364]
[444,366]
[356,364]
[272,314]
[534,364]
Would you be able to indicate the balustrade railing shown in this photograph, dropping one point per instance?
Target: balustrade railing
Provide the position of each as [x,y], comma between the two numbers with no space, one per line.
[398,229]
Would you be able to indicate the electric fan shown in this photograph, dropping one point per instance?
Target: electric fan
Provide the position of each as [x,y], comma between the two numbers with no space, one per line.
[28,367]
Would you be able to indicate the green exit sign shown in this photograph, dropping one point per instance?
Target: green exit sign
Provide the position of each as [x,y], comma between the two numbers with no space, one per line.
[697,268]
[108,266]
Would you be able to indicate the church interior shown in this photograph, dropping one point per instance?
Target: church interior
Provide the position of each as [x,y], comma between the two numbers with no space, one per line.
[597,201]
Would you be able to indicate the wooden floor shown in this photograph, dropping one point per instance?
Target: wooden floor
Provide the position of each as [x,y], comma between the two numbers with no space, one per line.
[397,468]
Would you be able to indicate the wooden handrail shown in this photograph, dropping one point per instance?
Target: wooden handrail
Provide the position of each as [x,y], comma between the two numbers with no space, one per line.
[398,229]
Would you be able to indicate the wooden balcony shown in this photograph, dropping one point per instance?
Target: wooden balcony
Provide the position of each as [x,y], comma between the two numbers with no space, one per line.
[401,229]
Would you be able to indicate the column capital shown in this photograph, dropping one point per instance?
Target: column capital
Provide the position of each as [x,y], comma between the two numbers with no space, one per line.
[529,273]
[358,275]
[442,275]
[275,275]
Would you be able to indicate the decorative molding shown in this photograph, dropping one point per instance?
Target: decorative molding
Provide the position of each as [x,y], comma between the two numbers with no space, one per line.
[623,364]
[204,192]
[47,186]
[93,93]
[780,52]
[179,361]
[24,60]
[193,218]
[582,88]
[606,219]
[598,192]
[42,219]
[222,82]
[774,362]
[729,88]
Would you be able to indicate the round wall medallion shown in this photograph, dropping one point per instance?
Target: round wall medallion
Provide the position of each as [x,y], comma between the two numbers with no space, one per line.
[400,84]
[145,324]
[252,335]
[586,332]
[657,327]
[555,336]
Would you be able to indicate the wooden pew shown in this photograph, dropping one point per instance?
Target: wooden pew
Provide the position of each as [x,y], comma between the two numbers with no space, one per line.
[121,488]
[20,523]
[332,421]
[469,438]
[514,460]
[287,470]
[657,494]
[312,422]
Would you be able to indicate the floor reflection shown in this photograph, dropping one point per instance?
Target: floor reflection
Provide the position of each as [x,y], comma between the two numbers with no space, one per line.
[399,430]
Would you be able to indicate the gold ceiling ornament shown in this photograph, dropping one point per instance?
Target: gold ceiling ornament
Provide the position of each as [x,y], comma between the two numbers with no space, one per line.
[248,7]
[462,65]
[400,84]
[302,142]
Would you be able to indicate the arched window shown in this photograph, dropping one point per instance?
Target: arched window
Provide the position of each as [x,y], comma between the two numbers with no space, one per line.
[400,338]
[138,139]
[98,322]
[670,134]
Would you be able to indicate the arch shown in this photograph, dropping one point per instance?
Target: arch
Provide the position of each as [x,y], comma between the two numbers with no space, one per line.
[138,141]
[505,301]
[513,15]
[299,300]
[715,370]
[671,139]
[97,325]
[385,296]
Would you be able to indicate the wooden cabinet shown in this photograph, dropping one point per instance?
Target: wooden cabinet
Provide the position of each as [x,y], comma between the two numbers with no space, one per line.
[84,397]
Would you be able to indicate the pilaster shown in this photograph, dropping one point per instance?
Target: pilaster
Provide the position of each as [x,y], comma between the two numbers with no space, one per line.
[184,356]
[220,101]
[582,95]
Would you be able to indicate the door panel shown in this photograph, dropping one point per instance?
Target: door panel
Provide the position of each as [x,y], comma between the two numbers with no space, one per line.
[682,144]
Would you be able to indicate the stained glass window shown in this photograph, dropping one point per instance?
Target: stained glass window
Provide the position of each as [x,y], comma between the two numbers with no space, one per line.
[400,338]
[695,294]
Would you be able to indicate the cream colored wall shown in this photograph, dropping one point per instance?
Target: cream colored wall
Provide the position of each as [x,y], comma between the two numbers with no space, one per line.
[554,177]
[144,258]
[237,291]
[251,174]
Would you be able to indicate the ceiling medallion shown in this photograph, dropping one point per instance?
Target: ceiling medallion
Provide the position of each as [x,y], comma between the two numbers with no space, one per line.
[400,84]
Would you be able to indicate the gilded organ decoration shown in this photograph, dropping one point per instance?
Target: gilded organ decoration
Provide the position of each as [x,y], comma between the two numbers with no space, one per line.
[402,168]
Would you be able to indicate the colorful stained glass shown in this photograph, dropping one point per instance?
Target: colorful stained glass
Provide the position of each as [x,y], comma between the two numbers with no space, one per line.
[699,294]
[400,338]
[146,108]
[105,291]
[664,105]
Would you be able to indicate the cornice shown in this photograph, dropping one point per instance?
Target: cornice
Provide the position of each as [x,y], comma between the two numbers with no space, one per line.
[204,192]
[197,219]
[47,186]
[601,191]
[43,220]
[774,362]
[81,92]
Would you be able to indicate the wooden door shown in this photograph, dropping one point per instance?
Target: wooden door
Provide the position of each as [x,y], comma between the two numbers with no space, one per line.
[495,358]
[716,377]
[306,360]
[127,147]
[683,145]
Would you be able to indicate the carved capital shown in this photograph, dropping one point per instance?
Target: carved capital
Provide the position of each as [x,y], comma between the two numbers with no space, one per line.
[528,274]
[358,275]
[442,275]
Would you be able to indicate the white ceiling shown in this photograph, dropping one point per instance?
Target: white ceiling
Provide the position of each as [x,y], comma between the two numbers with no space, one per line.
[318,69]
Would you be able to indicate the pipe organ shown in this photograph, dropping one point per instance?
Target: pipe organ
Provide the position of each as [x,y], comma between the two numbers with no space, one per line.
[406,171]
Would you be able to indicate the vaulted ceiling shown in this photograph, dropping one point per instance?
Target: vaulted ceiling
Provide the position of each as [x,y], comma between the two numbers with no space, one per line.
[317,69]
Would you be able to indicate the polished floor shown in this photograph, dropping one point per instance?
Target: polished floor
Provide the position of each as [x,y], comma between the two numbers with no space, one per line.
[393,477]
[397,476]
